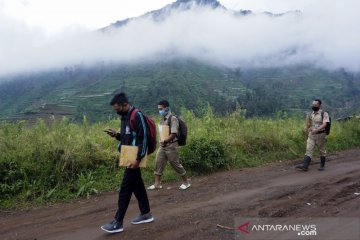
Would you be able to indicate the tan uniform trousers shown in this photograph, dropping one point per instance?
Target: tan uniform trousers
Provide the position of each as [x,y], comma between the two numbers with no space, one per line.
[318,140]
[169,153]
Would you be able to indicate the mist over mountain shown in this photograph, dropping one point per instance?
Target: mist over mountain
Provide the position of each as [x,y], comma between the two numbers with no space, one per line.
[165,12]
[162,14]
[204,30]
[193,52]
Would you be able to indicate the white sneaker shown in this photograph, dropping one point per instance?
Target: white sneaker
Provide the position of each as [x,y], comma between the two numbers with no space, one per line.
[153,187]
[184,186]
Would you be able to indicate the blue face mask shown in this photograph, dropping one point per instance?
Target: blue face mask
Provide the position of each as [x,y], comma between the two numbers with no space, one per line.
[162,112]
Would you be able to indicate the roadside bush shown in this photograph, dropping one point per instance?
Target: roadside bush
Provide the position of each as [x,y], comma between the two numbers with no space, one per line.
[85,185]
[203,155]
[60,160]
[10,178]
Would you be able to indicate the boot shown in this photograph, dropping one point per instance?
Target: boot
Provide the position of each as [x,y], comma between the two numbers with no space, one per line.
[322,163]
[305,166]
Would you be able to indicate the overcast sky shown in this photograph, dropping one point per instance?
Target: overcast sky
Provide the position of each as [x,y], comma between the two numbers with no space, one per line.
[54,16]
[42,34]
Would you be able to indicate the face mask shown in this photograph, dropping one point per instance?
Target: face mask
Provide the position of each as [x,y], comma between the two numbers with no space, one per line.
[315,109]
[121,113]
[162,113]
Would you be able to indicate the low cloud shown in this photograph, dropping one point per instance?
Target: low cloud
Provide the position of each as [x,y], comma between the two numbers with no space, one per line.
[325,35]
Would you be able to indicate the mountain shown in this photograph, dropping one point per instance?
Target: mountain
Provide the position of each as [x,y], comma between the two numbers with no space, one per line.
[186,5]
[161,14]
[78,91]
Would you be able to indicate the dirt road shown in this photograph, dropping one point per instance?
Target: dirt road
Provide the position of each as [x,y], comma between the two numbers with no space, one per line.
[268,191]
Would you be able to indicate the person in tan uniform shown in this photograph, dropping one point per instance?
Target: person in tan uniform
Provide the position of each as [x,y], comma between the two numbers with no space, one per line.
[315,126]
[169,148]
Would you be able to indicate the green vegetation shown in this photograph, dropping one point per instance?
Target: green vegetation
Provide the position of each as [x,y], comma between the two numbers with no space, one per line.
[61,160]
[78,90]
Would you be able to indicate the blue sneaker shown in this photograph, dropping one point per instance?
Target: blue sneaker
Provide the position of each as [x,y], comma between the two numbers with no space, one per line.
[143,218]
[113,227]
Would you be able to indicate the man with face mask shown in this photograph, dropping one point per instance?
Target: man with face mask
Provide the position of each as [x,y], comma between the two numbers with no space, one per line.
[169,148]
[315,126]
[132,181]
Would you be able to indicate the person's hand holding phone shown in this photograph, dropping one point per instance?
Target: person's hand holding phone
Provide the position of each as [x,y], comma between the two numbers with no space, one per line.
[111,132]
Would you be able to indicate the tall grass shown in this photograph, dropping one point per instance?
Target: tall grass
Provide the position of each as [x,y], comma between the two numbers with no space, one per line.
[60,160]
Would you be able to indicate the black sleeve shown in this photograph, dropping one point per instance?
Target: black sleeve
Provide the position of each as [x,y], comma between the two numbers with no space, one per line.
[141,130]
[118,136]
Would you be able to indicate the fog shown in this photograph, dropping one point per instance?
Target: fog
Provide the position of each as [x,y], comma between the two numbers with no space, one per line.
[323,34]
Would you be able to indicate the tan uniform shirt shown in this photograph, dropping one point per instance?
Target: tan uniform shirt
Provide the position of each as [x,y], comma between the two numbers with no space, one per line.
[174,126]
[317,120]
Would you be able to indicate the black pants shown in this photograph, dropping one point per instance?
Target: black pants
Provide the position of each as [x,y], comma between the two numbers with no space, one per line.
[132,183]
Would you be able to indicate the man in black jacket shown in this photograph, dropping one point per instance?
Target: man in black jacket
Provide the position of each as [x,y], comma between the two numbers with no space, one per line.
[132,181]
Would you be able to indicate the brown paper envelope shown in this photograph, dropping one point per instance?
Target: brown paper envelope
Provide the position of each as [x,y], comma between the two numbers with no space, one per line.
[129,154]
[164,132]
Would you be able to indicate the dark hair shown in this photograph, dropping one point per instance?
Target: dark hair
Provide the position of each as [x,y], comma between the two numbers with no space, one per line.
[119,98]
[164,103]
[318,100]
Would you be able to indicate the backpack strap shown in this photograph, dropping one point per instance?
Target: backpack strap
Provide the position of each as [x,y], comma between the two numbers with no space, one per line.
[169,120]
[322,115]
[132,118]
[169,123]
[132,125]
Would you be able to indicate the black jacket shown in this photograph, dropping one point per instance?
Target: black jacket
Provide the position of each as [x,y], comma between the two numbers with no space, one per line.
[136,136]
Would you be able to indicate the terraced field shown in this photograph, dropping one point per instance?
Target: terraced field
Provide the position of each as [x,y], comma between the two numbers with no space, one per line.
[263,92]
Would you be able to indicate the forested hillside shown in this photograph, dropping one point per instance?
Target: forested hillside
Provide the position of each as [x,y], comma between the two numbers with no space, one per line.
[78,90]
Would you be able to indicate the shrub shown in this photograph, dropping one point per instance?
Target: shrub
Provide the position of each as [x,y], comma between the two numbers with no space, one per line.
[85,185]
[60,160]
[204,155]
